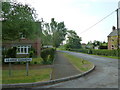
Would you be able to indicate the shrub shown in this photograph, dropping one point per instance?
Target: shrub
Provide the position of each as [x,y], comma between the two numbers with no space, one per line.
[47,55]
[104,52]
[10,53]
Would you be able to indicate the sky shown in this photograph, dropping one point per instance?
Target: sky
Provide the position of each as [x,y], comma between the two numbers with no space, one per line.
[79,15]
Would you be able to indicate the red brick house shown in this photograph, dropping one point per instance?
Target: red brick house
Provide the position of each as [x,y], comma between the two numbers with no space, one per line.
[23,46]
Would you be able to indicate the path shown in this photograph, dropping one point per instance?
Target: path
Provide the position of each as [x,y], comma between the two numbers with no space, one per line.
[62,67]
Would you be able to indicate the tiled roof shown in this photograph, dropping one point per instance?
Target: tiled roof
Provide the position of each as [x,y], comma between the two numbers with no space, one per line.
[114,33]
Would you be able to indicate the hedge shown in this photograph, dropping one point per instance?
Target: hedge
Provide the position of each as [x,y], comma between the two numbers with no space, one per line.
[47,55]
[104,52]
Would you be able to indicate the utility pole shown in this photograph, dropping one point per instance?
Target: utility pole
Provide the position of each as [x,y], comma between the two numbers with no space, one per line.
[118,27]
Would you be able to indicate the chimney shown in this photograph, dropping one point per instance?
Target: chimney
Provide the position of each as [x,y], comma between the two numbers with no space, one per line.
[113,28]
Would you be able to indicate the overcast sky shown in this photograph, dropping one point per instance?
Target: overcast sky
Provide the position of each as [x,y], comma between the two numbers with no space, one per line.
[79,15]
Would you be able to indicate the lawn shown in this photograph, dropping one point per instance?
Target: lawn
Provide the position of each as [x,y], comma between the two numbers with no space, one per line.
[37,72]
[36,60]
[79,63]
[19,76]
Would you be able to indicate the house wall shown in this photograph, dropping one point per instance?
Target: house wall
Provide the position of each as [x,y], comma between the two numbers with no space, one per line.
[36,44]
[113,42]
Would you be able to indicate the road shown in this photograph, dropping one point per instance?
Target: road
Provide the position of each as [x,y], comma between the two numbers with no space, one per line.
[105,74]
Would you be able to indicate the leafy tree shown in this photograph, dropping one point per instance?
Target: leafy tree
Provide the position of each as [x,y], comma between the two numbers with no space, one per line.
[73,40]
[53,33]
[96,43]
[17,20]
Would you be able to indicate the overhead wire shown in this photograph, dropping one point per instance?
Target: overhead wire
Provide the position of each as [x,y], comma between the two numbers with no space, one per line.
[99,21]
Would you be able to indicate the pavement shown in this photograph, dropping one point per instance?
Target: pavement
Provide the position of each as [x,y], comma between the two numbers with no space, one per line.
[62,67]
[105,74]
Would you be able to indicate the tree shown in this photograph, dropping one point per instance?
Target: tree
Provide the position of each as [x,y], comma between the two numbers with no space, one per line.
[58,34]
[17,20]
[96,43]
[73,40]
[53,33]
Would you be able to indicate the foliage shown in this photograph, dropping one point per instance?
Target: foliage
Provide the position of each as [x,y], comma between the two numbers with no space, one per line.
[73,40]
[37,60]
[11,53]
[17,20]
[47,55]
[53,33]
[99,52]
[92,45]
[31,52]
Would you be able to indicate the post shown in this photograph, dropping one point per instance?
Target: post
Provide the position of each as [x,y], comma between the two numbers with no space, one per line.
[26,68]
[118,27]
[10,69]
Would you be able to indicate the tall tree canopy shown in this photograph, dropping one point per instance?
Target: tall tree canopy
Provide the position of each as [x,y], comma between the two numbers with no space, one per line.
[17,20]
[73,40]
[58,31]
[53,33]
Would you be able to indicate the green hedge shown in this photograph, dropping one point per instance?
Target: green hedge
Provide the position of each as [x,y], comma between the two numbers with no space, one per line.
[47,55]
[99,52]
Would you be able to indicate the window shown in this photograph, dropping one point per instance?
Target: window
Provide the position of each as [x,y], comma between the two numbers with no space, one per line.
[112,46]
[23,49]
[112,39]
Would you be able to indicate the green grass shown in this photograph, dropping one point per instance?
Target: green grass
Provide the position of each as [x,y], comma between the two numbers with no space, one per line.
[61,48]
[19,76]
[36,60]
[79,63]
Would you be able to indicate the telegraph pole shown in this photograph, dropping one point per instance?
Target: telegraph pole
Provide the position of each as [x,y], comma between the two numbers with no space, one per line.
[118,31]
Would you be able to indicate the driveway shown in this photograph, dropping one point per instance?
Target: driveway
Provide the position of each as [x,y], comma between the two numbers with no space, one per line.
[104,76]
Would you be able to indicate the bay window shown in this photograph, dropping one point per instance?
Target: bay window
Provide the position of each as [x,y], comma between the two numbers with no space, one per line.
[23,49]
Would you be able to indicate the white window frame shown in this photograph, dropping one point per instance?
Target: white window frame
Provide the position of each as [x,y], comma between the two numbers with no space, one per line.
[22,49]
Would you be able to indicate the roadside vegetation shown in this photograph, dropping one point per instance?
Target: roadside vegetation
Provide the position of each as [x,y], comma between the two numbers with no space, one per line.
[79,63]
[19,76]
[104,53]
[38,69]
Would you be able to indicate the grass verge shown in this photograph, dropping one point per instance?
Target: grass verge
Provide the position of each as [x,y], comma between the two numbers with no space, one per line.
[19,76]
[79,63]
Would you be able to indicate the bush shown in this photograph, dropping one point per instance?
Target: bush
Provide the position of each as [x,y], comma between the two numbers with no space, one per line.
[10,53]
[47,55]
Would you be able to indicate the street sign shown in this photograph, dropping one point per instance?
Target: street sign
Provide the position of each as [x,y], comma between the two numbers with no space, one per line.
[9,60]
[17,59]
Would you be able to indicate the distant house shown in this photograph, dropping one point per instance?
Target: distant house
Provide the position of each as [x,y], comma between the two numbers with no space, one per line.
[23,46]
[83,45]
[113,39]
[89,46]
[96,47]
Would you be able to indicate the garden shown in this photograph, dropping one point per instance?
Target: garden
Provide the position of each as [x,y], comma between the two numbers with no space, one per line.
[40,68]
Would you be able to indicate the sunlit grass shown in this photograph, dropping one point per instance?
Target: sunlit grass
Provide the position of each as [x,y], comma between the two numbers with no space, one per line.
[79,63]
[19,76]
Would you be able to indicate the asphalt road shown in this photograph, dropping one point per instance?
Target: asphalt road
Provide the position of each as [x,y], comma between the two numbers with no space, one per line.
[104,76]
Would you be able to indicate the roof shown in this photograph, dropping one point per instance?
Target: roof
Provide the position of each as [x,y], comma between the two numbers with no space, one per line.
[114,33]
[21,41]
